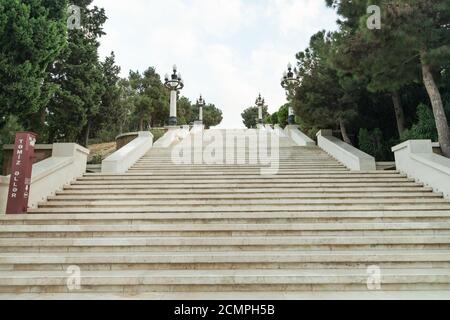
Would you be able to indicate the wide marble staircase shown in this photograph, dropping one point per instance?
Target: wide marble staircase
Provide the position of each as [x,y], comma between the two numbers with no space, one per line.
[312,227]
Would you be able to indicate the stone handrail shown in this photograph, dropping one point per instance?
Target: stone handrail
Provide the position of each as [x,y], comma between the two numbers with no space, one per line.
[348,155]
[67,163]
[121,160]
[417,159]
[198,127]
[175,134]
[298,137]
[279,131]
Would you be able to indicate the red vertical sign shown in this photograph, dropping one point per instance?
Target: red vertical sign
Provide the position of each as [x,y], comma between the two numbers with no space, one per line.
[22,164]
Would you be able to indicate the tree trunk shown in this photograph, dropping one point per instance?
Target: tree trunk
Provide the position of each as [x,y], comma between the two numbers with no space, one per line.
[399,113]
[141,124]
[344,132]
[86,137]
[438,107]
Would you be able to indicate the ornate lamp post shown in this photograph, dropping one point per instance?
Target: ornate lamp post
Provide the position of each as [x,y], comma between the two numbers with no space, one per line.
[201,104]
[260,102]
[174,83]
[289,82]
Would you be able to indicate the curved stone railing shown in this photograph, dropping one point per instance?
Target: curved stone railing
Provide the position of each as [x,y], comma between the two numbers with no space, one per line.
[348,155]
[175,134]
[279,131]
[298,137]
[417,159]
[121,160]
[67,163]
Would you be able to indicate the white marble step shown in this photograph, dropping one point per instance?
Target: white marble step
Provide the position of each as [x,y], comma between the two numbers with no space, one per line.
[212,242]
[241,195]
[224,257]
[224,280]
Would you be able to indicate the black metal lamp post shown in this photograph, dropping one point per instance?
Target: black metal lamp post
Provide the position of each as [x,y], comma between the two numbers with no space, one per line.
[260,102]
[201,104]
[289,82]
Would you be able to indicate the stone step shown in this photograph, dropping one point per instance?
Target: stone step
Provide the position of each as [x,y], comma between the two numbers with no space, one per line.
[355,191]
[279,201]
[91,261]
[215,242]
[235,217]
[261,180]
[224,230]
[249,175]
[241,196]
[381,227]
[253,208]
[224,280]
[245,185]
[284,168]
[217,228]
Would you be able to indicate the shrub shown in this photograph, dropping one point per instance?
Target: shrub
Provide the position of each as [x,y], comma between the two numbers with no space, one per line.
[425,127]
[8,133]
[373,143]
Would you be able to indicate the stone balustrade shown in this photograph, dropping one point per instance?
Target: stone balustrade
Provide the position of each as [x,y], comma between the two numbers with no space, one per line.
[417,159]
[348,155]
[67,163]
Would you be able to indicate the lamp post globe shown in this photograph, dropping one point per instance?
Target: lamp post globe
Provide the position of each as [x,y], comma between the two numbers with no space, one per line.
[201,104]
[174,83]
[289,82]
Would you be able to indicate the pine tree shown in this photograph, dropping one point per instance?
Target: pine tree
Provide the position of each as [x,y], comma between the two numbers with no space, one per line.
[78,74]
[325,97]
[32,35]
[110,111]
[414,33]
[250,116]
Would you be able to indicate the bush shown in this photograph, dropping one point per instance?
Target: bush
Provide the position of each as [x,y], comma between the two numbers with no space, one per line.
[372,142]
[8,133]
[425,128]
[283,114]
[157,133]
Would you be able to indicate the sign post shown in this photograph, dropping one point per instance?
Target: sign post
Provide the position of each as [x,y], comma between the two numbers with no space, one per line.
[22,164]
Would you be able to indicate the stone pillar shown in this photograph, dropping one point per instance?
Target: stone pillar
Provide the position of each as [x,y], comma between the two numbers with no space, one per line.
[260,114]
[200,114]
[173,108]
[291,117]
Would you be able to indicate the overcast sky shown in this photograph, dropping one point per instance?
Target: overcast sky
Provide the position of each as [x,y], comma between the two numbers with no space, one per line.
[228,50]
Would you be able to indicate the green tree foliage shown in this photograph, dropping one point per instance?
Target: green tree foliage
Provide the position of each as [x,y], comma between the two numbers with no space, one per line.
[425,127]
[7,133]
[107,122]
[149,97]
[373,143]
[414,34]
[272,119]
[250,116]
[212,116]
[282,115]
[325,98]
[79,76]
[184,111]
[32,35]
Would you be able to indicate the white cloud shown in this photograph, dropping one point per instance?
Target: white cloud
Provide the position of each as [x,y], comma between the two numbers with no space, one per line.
[228,50]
